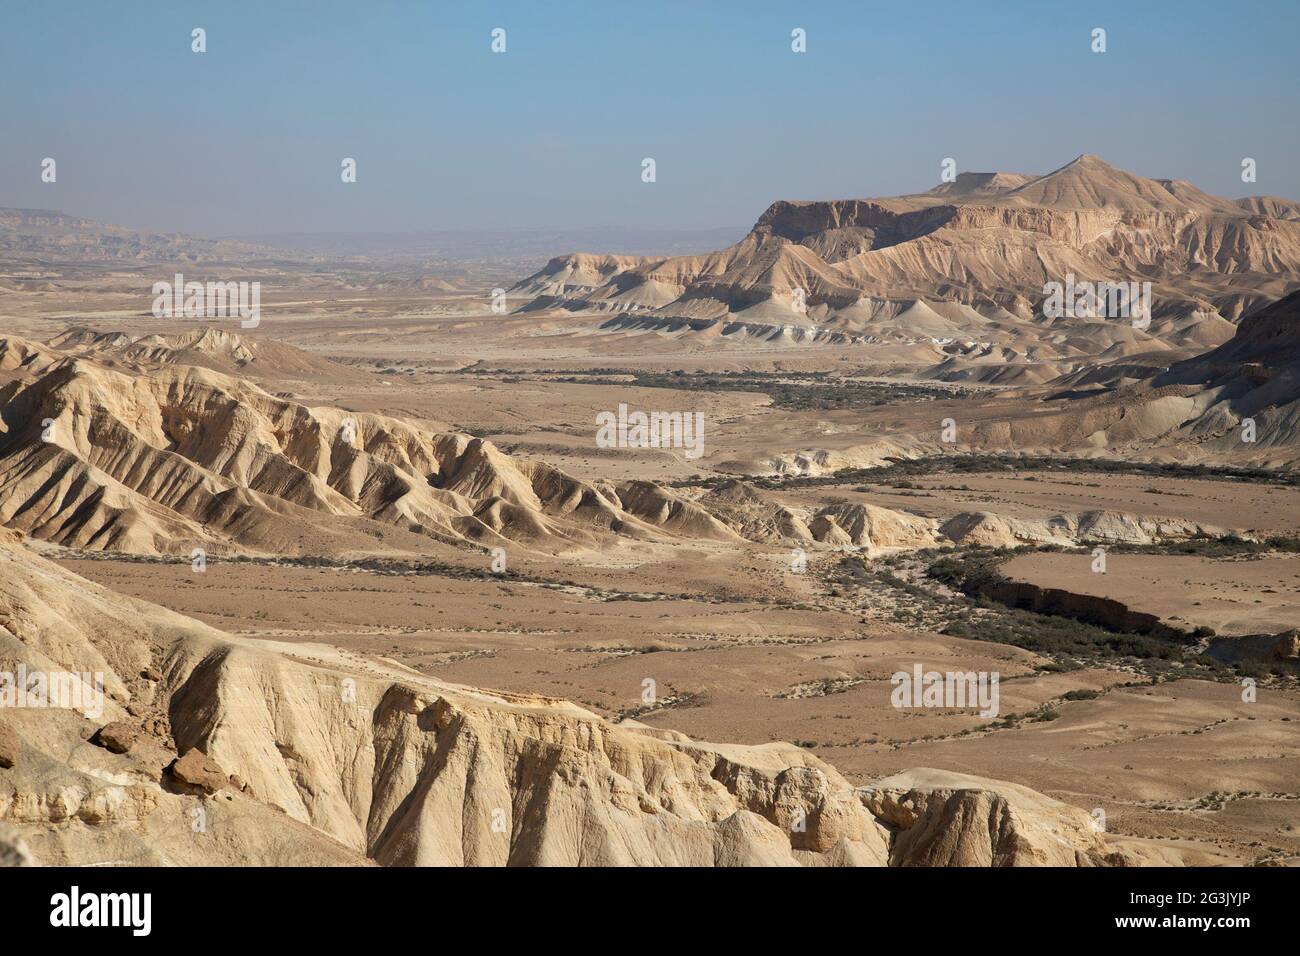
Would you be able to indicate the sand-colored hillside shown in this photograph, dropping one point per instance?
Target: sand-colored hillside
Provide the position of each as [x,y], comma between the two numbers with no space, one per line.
[206,347]
[337,758]
[178,457]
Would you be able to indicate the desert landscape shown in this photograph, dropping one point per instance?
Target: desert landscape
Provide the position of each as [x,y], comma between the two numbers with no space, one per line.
[363,580]
[481,497]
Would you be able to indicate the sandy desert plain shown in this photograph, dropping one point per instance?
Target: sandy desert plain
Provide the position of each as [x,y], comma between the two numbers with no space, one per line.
[916,468]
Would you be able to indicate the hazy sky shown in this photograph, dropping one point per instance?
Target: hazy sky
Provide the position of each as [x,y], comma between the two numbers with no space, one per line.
[248,137]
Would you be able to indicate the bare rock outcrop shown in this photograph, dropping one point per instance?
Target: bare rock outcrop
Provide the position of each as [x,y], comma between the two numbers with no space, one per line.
[411,771]
[339,758]
[940,818]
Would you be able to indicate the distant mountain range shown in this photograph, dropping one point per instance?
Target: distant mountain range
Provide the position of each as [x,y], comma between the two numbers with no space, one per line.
[523,243]
[47,236]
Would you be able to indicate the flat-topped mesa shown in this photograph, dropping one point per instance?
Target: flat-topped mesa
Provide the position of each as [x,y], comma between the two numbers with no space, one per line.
[794,219]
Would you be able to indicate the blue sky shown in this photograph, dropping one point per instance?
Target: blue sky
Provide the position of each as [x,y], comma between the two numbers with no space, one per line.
[248,137]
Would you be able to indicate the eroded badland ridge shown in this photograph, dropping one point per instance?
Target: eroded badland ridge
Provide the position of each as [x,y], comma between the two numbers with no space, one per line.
[364,583]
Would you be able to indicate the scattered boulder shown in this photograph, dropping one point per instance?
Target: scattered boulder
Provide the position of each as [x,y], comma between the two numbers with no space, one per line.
[151,674]
[117,737]
[10,746]
[197,770]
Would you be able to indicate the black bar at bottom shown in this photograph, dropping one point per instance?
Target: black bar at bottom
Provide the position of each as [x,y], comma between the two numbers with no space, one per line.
[910,906]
